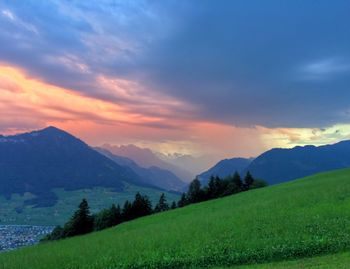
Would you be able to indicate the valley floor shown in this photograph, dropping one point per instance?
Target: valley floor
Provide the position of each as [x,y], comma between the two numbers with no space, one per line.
[16,211]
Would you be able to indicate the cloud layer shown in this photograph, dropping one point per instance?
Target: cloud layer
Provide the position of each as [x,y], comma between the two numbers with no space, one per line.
[176,65]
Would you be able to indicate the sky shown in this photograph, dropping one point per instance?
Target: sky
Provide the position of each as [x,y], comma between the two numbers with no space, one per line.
[224,78]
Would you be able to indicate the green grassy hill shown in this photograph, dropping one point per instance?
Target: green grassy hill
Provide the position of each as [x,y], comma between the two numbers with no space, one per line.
[331,261]
[294,220]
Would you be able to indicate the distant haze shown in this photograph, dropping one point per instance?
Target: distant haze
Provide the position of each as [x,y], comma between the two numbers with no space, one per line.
[147,158]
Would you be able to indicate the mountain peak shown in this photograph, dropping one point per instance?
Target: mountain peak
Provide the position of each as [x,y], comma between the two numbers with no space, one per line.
[50,133]
[37,162]
[51,130]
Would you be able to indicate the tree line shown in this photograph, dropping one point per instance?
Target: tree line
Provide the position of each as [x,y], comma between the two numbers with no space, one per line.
[83,222]
[218,187]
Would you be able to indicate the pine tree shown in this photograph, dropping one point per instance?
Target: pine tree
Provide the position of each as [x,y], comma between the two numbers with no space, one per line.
[236,179]
[173,205]
[231,188]
[194,193]
[107,218]
[162,204]
[211,190]
[248,180]
[126,213]
[102,220]
[219,187]
[141,206]
[183,200]
[81,221]
[116,215]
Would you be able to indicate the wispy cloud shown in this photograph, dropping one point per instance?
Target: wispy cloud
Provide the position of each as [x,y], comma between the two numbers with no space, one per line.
[22,95]
[170,65]
[325,69]
[18,22]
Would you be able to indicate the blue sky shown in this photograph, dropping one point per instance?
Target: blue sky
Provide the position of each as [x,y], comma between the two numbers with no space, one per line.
[240,64]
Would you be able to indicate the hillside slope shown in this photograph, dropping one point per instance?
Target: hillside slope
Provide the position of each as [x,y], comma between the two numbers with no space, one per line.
[281,165]
[339,260]
[40,161]
[297,219]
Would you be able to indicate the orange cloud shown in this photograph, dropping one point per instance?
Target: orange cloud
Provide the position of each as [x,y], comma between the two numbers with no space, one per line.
[140,117]
[28,99]
[27,103]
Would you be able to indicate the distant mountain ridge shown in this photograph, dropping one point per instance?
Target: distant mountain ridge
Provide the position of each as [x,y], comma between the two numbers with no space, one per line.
[193,164]
[146,158]
[153,175]
[225,168]
[280,165]
[40,161]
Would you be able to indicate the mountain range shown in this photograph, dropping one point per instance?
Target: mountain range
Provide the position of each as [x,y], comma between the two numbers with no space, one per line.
[281,164]
[41,161]
[152,175]
[146,158]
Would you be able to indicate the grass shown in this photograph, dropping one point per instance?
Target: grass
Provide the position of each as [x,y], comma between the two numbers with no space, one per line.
[13,211]
[332,261]
[293,220]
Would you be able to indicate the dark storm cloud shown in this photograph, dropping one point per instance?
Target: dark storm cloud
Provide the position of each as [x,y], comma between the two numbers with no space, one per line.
[270,63]
[274,63]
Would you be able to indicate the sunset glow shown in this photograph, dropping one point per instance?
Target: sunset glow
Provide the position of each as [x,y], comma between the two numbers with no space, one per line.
[138,74]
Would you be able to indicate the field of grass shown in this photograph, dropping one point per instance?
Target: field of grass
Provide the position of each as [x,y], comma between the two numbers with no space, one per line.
[14,210]
[333,261]
[293,220]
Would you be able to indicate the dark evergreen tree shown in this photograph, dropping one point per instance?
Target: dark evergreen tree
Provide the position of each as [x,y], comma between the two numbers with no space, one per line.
[107,218]
[231,188]
[216,187]
[236,179]
[232,184]
[195,193]
[173,205]
[116,215]
[141,206]
[127,211]
[162,204]
[220,186]
[248,180]
[103,220]
[81,221]
[183,200]
[211,189]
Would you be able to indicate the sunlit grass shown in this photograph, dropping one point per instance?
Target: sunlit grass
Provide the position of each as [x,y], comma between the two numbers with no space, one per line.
[294,220]
[332,261]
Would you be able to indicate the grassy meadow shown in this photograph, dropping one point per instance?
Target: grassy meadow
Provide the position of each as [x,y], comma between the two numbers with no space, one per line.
[332,261]
[290,221]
